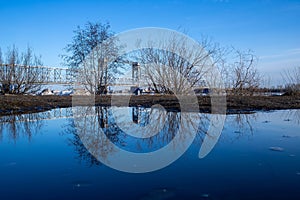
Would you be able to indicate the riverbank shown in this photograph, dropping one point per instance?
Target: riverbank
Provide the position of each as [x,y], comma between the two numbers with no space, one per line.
[17,104]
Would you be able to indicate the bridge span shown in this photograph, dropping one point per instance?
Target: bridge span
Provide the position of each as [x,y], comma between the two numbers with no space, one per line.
[45,75]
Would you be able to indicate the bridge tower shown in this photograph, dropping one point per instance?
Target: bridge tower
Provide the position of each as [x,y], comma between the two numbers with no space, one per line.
[135,72]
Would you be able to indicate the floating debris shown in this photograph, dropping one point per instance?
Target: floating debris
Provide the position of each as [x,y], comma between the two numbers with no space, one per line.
[266,121]
[286,136]
[159,194]
[287,120]
[292,155]
[205,195]
[280,149]
[81,184]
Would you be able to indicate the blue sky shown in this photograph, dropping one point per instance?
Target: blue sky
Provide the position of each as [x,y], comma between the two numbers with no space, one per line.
[270,28]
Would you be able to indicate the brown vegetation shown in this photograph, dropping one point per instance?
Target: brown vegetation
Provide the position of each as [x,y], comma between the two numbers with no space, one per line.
[17,104]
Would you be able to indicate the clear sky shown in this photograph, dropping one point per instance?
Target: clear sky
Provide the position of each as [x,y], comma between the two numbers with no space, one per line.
[270,28]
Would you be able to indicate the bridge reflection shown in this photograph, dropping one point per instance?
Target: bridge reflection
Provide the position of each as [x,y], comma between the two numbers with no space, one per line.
[138,113]
[58,113]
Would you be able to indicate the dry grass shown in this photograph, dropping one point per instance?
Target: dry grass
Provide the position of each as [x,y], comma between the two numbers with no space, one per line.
[17,104]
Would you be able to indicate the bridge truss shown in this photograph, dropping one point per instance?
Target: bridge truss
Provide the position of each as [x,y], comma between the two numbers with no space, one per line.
[43,75]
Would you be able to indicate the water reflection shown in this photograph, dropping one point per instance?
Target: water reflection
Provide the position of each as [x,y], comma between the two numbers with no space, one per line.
[82,154]
[15,126]
[107,131]
[156,127]
[87,133]
[291,115]
[270,158]
[242,124]
[121,128]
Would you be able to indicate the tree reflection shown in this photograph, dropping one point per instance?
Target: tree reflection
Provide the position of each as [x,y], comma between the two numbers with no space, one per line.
[15,126]
[241,123]
[89,127]
[161,127]
[291,115]
[83,155]
[156,126]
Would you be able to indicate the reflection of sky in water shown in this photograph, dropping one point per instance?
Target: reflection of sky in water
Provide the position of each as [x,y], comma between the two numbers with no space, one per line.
[49,165]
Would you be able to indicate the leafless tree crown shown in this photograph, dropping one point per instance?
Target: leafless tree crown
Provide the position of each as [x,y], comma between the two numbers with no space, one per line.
[175,67]
[292,79]
[16,79]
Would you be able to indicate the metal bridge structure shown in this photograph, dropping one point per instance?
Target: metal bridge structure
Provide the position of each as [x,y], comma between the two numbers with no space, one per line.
[45,75]
[42,74]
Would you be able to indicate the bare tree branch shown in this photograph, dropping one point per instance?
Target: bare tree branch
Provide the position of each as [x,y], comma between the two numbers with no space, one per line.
[20,74]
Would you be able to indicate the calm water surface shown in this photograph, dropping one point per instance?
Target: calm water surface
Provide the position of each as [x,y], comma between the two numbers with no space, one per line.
[256,157]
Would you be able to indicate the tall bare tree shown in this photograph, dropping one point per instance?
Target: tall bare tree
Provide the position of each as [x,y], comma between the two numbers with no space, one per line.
[100,67]
[244,77]
[173,66]
[292,80]
[92,55]
[20,74]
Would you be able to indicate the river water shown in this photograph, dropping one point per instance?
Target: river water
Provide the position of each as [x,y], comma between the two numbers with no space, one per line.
[62,155]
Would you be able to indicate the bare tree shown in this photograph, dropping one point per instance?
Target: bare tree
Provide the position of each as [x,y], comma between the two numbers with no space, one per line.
[100,67]
[94,56]
[176,67]
[292,80]
[245,78]
[20,74]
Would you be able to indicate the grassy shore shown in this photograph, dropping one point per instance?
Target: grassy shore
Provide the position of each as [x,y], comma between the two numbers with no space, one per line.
[17,104]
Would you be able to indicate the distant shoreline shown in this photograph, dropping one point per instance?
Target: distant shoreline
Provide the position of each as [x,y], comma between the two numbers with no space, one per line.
[22,104]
